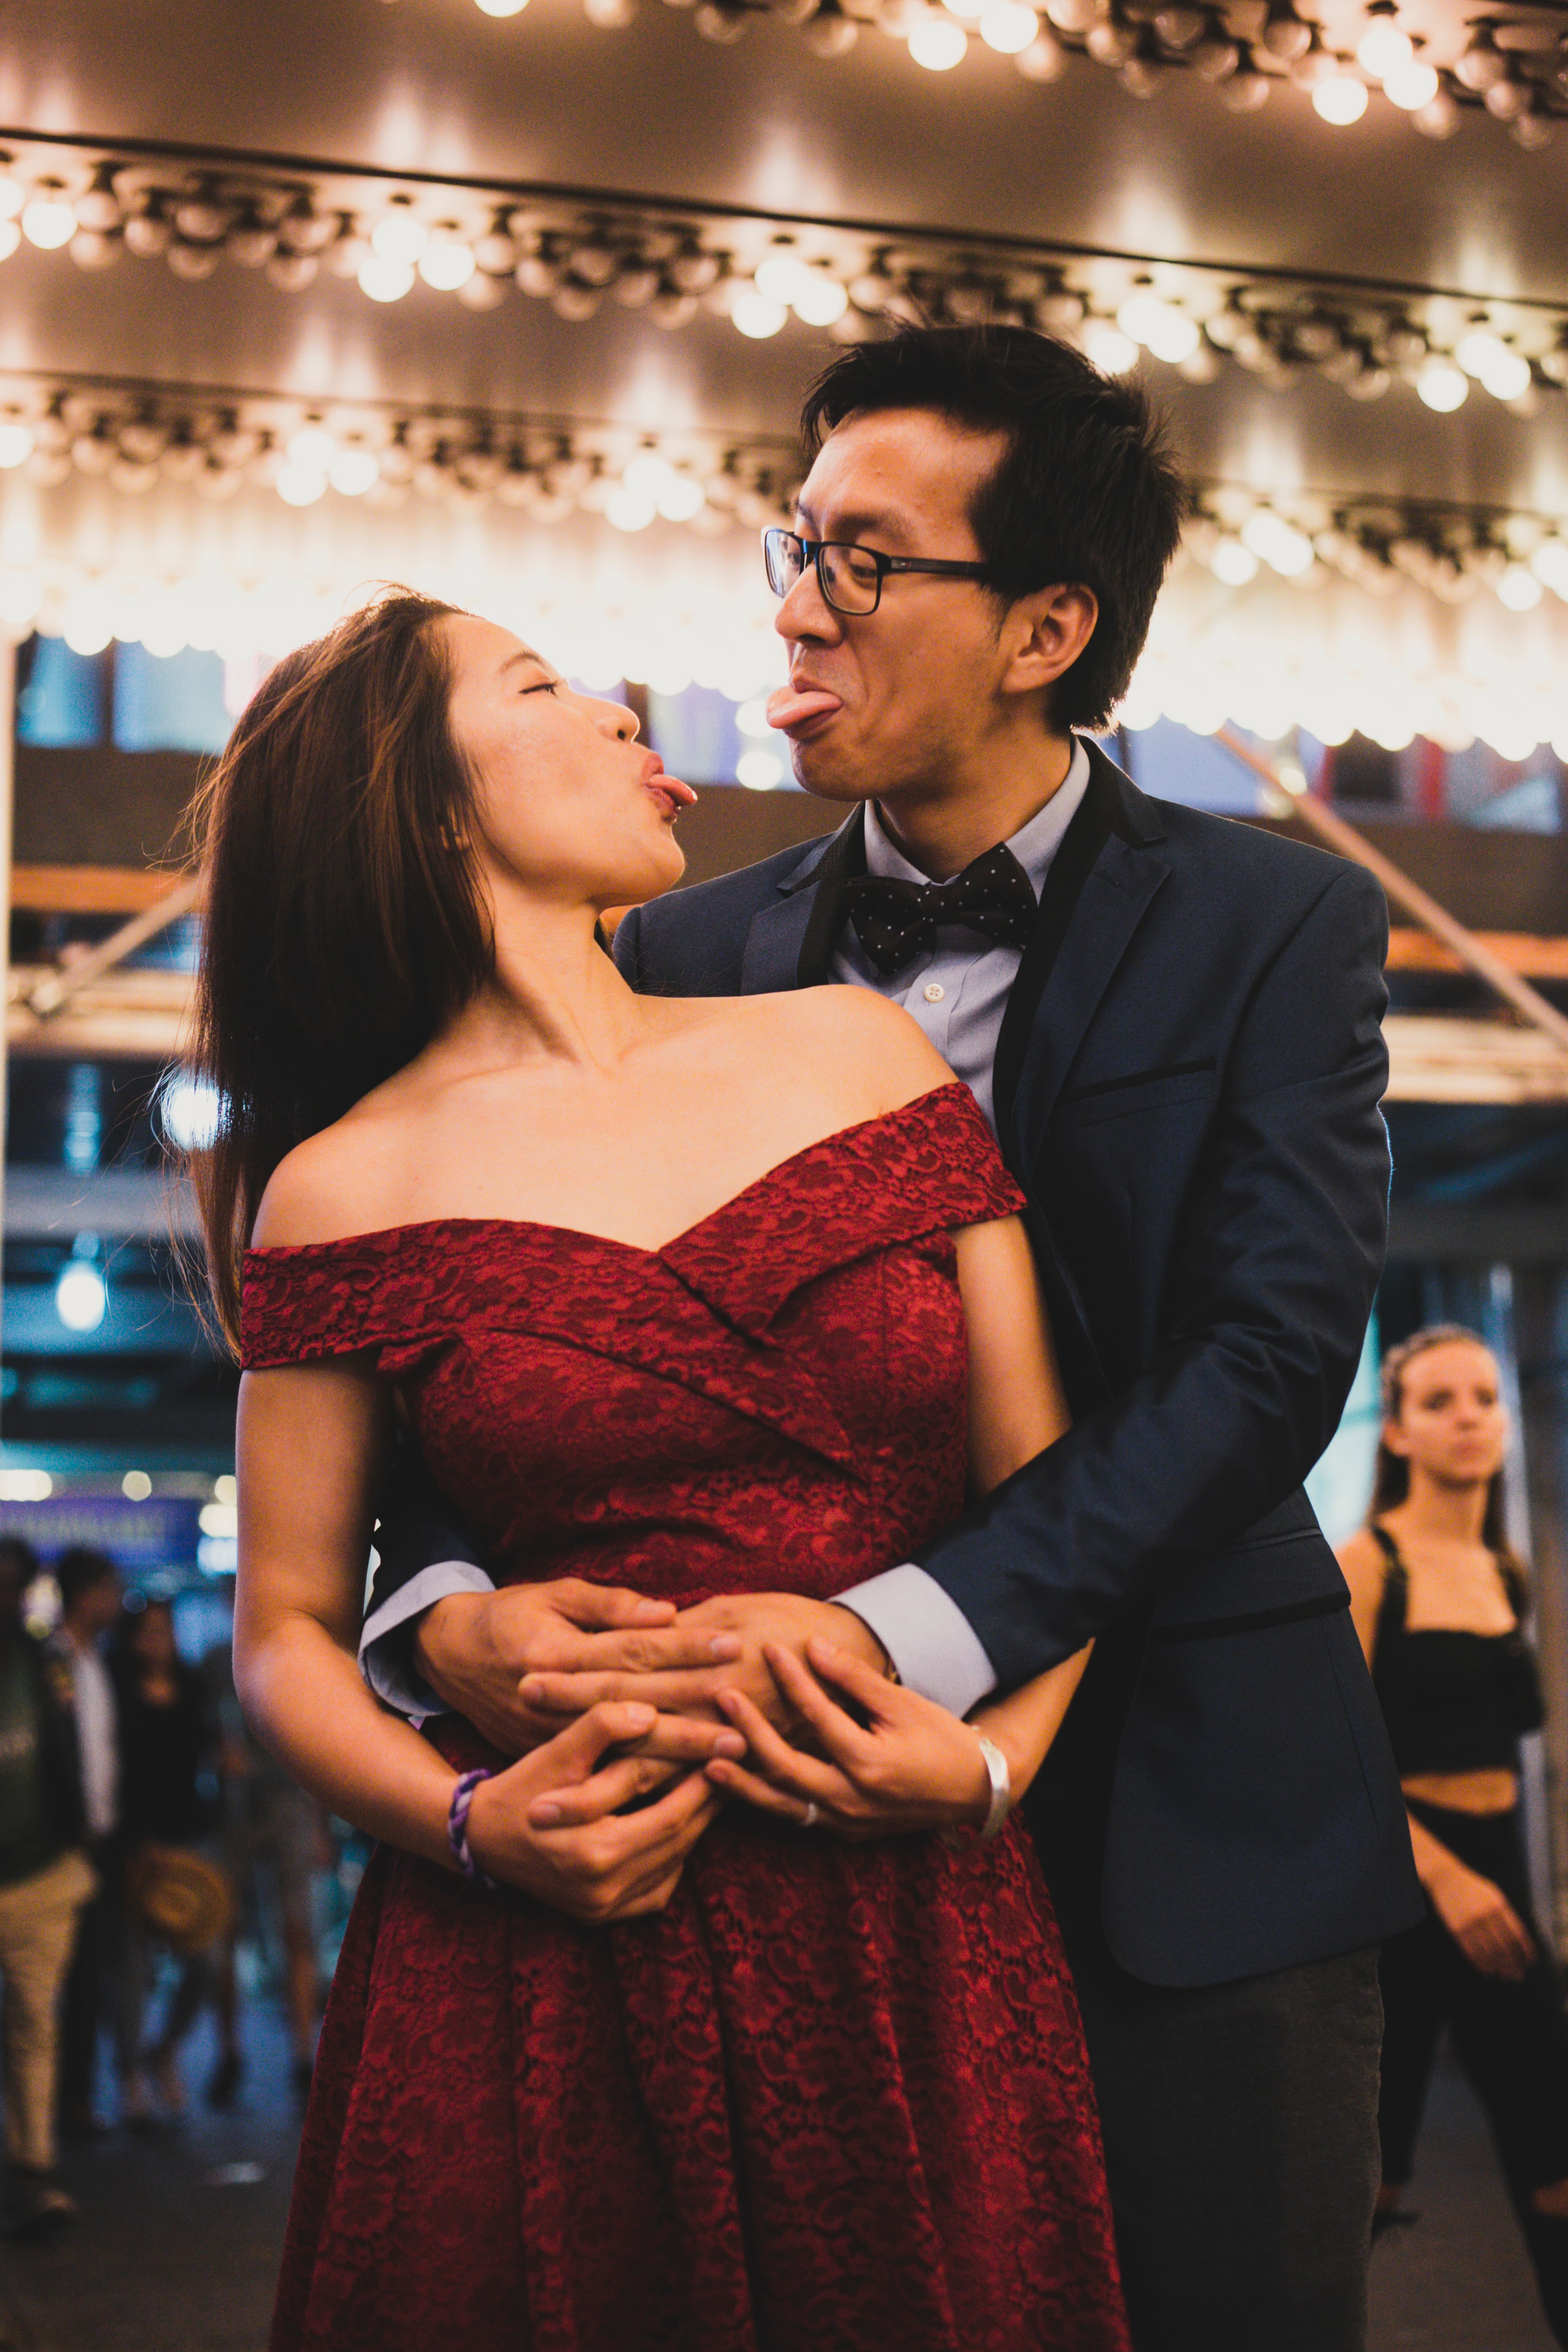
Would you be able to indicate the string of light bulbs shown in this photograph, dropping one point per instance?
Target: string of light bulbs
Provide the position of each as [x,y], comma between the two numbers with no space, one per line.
[1390,666]
[135,434]
[1520,82]
[761,272]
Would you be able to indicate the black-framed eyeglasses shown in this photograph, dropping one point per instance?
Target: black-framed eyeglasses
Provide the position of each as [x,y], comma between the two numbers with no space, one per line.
[850,578]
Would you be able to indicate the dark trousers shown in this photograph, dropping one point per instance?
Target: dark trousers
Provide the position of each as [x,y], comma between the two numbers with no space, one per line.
[1241,2146]
[93,1956]
[1511,2039]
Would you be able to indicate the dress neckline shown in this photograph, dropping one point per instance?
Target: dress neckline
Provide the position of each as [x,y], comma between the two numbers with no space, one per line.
[612,1241]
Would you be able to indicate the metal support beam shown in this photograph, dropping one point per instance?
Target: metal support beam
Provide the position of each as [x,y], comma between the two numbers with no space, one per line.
[1336,835]
[51,995]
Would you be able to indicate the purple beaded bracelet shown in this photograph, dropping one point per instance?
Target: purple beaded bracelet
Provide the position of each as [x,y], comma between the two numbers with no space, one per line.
[458,1827]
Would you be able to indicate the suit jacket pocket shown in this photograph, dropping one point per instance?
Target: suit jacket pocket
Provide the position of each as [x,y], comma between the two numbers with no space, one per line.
[1136,1095]
[1282,1571]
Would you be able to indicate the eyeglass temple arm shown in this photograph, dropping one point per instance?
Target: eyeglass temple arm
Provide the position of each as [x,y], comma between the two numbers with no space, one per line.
[916,563]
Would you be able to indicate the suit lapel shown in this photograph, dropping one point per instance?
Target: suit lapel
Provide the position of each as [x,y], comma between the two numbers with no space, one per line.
[791,941]
[1101,879]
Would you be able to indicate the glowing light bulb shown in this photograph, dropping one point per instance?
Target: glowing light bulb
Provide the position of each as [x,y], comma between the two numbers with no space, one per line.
[1340,100]
[1520,590]
[628,507]
[680,498]
[1233,563]
[21,599]
[352,472]
[780,276]
[385,280]
[819,299]
[300,485]
[15,445]
[1411,86]
[399,237]
[756,316]
[312,448]
[48,222]
[1160,327]
[1506,374]
[760,771]
[1008,27]
[13,196]
[503,7]
[88,621]
[1384,48]
[1550,565]
[938,44]
[446,263]
[136,1486]
[1283,548]
[82,1297]
[1109,347]
[1442,387]
[190,1112]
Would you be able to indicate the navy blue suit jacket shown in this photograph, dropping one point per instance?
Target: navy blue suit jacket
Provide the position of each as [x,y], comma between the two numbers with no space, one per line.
[1188,1082]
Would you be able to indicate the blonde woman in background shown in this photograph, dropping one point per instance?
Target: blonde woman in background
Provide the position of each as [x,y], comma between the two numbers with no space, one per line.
[1440,1602]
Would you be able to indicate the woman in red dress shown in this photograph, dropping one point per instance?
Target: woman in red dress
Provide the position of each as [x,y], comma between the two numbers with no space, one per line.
[674,1296]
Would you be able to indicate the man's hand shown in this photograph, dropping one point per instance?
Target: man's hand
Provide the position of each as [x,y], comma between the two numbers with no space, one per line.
[475,1648]
[900,1764]
[735,1630]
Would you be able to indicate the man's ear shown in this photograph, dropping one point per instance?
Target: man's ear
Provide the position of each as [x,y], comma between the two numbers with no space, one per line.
[1043,634]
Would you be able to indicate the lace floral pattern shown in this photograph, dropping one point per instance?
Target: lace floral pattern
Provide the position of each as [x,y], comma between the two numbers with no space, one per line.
[833,2097]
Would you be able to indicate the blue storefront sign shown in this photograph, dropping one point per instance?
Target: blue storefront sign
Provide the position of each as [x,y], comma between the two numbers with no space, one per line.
[139,1538]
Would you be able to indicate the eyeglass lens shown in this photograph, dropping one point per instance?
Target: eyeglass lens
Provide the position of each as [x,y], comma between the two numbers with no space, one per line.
[849,577]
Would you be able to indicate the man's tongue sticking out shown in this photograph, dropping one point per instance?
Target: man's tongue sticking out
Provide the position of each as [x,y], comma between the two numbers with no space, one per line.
[791,706]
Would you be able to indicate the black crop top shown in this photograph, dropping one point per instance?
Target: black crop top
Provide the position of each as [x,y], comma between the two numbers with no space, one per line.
[1453,1701]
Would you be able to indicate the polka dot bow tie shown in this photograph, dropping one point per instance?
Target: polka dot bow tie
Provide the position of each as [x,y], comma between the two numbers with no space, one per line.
[895,921]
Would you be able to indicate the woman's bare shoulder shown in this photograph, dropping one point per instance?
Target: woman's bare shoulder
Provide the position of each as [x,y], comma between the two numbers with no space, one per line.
[882,1054]
[1362,1558]
[332,1184]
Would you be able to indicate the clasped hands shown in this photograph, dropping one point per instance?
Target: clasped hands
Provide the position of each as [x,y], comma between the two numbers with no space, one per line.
[634,1723]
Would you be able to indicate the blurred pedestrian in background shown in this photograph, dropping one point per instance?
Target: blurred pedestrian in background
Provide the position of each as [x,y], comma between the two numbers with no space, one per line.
[89,1609]
[176,1896]
[276,1845]
[1440,1602]
[45,1880]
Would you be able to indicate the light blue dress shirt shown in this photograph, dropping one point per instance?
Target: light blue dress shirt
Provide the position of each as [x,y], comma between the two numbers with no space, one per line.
[958,993]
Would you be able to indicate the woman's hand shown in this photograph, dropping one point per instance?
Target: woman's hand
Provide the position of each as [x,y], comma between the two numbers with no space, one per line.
[550,1824]
[1482,1921]
[911,1766]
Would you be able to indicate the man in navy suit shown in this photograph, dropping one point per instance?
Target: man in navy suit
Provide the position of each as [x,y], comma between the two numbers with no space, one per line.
[1172,1023]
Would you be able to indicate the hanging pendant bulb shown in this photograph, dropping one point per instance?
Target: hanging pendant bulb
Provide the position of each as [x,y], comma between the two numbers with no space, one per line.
[1483,62]
[1285,34]
[1246,89]
[1383,46]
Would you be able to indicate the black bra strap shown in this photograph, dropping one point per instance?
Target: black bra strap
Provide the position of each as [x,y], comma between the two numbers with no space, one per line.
[1395,1602]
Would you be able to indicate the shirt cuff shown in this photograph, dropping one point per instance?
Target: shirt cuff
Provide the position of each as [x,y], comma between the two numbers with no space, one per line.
[386,1640]
[930,1640]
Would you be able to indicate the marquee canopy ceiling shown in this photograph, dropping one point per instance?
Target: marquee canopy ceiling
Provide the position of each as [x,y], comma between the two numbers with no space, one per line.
[1321,272]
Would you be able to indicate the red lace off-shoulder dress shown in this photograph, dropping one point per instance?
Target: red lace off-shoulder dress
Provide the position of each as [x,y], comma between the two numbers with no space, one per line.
[834,2097]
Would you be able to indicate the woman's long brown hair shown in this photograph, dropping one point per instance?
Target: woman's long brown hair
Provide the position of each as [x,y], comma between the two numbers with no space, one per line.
[344,920]
[1391,1485]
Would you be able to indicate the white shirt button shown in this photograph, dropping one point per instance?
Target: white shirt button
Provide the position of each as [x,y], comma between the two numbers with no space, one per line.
[933,991]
